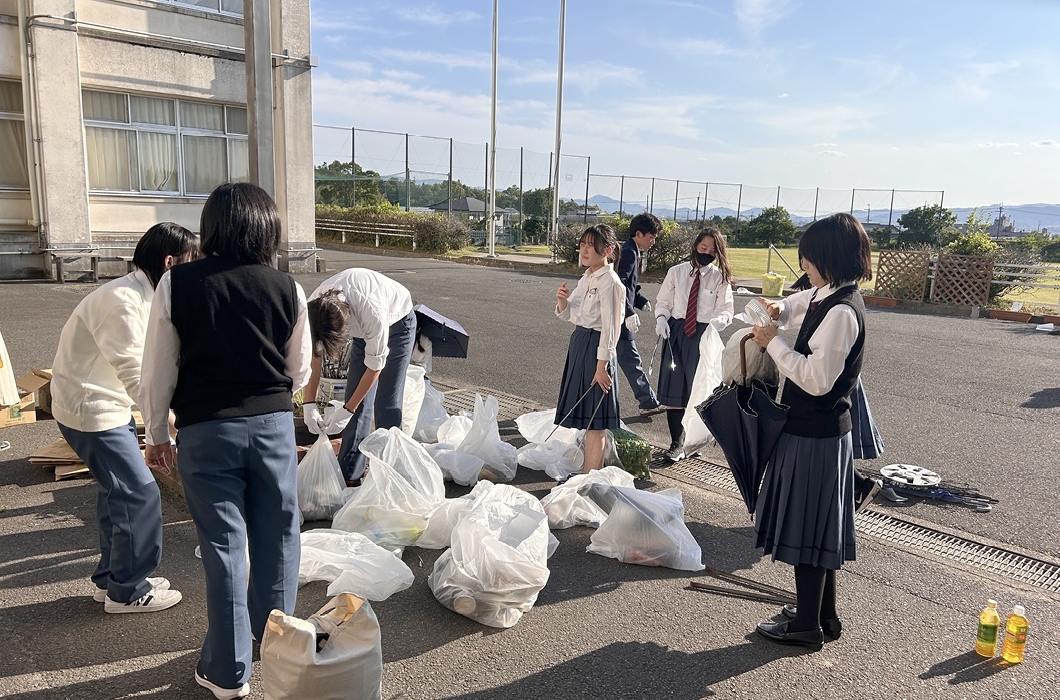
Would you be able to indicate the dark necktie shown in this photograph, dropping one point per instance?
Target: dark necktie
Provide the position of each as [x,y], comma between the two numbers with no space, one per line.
[693,303]
[814,305]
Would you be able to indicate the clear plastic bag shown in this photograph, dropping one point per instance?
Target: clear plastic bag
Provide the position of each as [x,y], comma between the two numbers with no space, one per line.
[353,564]
[648,529]
[707,378]
[321,488]
[402,487]
[442,521]
[497,564]
[570,503]
[759,364]
[556,458]
[412,399]
[334,655]
[484,441]
[432,414]
[453,430]
[461,467]
[540,427]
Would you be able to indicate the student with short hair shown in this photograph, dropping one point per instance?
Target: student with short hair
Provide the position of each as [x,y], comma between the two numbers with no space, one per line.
[595,307]
[95,383]
[227,344]
[643,229]
[700,286]
[375,313]
[805,512]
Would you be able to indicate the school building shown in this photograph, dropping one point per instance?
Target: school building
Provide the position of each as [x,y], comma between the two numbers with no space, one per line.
[118,114]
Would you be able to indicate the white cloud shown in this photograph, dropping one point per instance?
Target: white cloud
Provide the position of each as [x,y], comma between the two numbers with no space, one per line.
[429,14]
[991,144]
[461,59]
[697,47]
[825,145]
[834,154]
[587,76]
[755,15]
[1046,142]
[782,95]
[894,148]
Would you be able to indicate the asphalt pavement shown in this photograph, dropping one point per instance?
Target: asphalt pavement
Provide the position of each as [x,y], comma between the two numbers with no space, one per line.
[973,399]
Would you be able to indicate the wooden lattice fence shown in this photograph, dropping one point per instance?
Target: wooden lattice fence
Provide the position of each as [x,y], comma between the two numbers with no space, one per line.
[962,279]
[902,274]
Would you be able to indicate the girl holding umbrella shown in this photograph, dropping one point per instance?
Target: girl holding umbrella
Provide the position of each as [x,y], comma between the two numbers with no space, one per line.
[805,511]
[694,293]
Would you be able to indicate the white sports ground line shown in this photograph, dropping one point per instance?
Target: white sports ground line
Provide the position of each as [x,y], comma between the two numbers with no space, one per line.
[65,677]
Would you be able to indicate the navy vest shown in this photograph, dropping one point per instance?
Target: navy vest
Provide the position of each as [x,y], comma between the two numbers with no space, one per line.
[234,321]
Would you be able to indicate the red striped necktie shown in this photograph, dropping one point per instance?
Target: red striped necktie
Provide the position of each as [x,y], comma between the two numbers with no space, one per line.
[693,303]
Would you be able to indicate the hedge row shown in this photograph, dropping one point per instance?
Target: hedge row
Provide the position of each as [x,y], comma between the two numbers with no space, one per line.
[435,233]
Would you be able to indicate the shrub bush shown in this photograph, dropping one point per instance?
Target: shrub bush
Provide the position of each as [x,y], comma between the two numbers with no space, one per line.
[434,233]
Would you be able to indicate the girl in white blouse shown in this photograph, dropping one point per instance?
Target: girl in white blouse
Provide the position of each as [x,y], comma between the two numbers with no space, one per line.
[595,307]
[701,285]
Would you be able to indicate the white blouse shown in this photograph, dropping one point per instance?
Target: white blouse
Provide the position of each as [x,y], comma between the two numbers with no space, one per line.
[830,344]
[598,302]
[714,304]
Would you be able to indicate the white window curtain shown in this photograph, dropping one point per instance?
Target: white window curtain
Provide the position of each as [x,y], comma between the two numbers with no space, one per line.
[158,161]
[149,110]
[14,170]
[233,6]
[238,161]
[104,106]
[196,115]
[10,96]
[204,163]
[111,159]
[237,120]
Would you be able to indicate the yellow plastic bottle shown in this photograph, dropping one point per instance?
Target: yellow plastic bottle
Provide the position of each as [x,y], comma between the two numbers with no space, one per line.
[986,637]
[1015,635]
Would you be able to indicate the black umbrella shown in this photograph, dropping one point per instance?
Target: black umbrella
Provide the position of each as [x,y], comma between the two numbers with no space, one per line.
[448,338]
[747,424]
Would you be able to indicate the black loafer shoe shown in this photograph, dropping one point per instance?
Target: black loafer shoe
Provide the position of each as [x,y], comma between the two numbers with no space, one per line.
[832,628]
[778,632]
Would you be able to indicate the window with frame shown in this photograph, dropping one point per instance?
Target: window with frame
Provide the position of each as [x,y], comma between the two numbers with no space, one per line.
[162,146]
[14,166]
[224,7]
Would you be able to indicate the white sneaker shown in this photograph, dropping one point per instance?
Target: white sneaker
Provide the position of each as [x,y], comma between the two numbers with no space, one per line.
[157,584]
[153,601]
[219,692]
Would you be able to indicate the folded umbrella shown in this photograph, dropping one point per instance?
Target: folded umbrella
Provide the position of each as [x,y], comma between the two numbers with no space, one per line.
[448,338]
[747,424]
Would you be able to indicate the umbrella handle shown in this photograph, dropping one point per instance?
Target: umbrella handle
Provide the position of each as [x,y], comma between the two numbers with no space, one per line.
[743,355]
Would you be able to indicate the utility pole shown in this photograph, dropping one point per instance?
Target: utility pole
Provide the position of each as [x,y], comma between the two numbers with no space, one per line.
[554,228]
[585,217]
[1000,211]
[491,215]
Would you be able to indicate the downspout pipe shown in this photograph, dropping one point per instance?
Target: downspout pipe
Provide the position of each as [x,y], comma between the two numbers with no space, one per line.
[29,119]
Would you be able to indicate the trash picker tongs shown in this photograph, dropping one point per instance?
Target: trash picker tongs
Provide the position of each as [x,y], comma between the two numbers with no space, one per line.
[760,591]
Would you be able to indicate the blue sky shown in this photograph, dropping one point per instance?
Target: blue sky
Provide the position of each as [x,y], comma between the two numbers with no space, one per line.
[929,95]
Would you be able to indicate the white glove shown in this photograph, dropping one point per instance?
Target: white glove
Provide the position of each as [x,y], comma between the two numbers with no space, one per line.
[337,421]
[633,324]
[647,306]
[662,328]
[313,420]
[719,324]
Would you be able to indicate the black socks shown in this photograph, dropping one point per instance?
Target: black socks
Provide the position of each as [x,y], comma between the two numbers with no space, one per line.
[673,421]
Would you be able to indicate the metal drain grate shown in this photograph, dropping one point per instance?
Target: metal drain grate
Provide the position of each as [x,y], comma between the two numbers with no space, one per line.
[510,407]
[997,560]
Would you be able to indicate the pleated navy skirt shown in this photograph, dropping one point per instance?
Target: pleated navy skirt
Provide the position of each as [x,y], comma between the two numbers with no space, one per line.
[868,443]
[675,385]
[805,513]
[577,377]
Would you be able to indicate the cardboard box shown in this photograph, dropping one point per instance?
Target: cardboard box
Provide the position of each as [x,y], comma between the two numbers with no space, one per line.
[25,411]
[44,393]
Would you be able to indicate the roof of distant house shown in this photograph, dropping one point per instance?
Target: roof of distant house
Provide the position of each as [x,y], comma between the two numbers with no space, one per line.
[471,205]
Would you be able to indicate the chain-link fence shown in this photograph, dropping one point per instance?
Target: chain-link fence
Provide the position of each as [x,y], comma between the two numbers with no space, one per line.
[357,167]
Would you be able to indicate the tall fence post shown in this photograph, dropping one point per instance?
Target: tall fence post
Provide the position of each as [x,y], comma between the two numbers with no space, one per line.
[677,193]
[852,193]
[621,193]
[890,216]
[353,168]
[585,217]
[450,198]
[816,196]
[778,196]
[408,184]
[651,198]
[706,188]
[739,203]
[521,217]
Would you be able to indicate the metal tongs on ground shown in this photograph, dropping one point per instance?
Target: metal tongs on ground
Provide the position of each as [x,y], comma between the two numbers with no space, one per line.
[760,591]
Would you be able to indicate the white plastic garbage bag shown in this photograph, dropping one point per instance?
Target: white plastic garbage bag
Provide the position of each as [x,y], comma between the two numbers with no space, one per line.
[432,414]
[353,564]
[648,529]
[707,379]
[442,521]
[412,399]
[461,467]
[402,487]
[8,389]
[537,427]
[484,441]
[321,488]
[759,364]
[555,457]
[571,503]
[453,430]
[297,662]
[497,564]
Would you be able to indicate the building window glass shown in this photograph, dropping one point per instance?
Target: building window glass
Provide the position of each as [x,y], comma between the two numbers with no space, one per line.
[14,170]
[162,146]
[228,7]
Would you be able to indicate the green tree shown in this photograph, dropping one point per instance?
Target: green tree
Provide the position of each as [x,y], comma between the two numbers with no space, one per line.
[337,183]
[772,225]
[978,221]
[882,235]
[926,224]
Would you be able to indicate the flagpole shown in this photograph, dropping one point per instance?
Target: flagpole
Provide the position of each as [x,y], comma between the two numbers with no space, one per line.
[554,227]
[492,215]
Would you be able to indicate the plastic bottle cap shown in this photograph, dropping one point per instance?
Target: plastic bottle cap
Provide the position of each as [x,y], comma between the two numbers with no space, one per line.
[991,603]
[1018,610]
[464,604]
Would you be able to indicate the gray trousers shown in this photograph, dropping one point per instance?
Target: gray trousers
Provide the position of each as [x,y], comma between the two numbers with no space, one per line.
[240,484]
[128,510]
[384,399]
